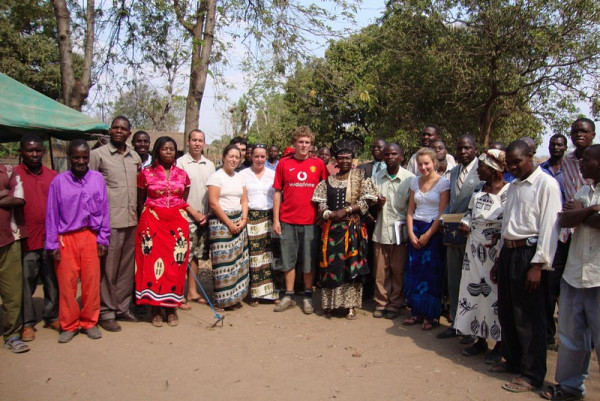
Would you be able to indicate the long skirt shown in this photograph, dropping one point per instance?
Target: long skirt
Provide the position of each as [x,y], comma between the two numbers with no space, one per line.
[161,256]
[259,226]
[425,274]
[343,261]
[478,300]
[230,261]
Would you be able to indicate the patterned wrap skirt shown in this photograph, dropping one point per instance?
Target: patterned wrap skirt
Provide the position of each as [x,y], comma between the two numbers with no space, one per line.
[161,256]
[259,228]
[230,261]
[423,278]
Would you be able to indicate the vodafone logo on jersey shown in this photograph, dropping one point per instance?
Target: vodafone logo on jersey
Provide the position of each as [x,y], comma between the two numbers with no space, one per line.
[302,176]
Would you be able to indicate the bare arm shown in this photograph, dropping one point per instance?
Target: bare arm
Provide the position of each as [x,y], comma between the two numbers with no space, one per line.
[214,193]
[196,215]
[574,214]
[409,220]
[276,207]
[141,199]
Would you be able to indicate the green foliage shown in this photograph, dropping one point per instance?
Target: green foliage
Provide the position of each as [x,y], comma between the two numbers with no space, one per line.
[146,108]
[497,69]
[28,50]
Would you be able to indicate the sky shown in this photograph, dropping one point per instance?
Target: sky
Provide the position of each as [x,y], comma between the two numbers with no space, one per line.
[213,112]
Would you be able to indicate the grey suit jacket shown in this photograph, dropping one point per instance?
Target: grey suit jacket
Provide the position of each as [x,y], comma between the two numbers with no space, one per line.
[460,203]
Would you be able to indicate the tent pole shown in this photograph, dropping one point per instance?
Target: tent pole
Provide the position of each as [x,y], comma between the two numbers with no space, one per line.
[50,149]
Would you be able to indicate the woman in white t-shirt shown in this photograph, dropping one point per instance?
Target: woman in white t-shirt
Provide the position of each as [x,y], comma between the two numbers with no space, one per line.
[228,241]
[259,186]
[429,195]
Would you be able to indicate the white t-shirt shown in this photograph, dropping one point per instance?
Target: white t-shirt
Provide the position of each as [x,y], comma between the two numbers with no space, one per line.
[232,189]
[428,203]
[260,192]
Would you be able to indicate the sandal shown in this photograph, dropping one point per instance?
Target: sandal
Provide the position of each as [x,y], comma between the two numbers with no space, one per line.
[16,345]
[500,367]
[253,303]
[157,320]
[184,305]
[518,385]
[172,319]
[351,314]
[412,320]
[198,300]
[557,393]
[427,325]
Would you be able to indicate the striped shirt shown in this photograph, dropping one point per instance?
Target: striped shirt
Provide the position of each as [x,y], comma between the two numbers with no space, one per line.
[573,181]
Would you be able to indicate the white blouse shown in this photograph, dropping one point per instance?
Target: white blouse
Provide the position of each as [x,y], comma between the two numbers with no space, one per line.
[428,203]
[260,191]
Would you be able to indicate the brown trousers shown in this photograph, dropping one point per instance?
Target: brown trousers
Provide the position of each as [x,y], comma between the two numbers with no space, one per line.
[390,260]
[118,273]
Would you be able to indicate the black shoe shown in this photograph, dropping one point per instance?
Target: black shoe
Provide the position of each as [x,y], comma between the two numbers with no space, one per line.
[480,347]
[466,340]
[127,317]
[391,315]
[494,356]
[110,325]
[448,333]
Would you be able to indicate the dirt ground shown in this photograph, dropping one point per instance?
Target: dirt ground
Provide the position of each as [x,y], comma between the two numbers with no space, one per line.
[257,354]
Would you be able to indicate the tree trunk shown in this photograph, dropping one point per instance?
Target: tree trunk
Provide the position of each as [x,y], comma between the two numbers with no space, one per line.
[74,91]
[202,40]
[486,121]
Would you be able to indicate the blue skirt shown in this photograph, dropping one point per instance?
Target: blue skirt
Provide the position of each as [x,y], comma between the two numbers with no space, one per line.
[423,279]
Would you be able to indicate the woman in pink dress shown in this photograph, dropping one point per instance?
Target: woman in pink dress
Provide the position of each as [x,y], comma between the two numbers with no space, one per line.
[162,242]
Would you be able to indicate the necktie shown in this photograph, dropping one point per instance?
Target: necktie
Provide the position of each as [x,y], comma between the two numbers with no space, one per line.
[461,179]
[378,168]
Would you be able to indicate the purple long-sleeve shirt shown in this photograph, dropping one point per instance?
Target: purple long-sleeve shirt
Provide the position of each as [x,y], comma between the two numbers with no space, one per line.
[75,204]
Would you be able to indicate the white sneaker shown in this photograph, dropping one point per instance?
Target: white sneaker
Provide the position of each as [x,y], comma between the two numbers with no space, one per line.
[307,306]
[286,303]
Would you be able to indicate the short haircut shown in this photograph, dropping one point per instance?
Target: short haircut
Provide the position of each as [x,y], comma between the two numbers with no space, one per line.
[498,145]
[380,139]
[30,138]
[595,150]
[437,129]
[585,120]
[121,117]
[440,141]
[229,147]
[274,146]
[77,143]
[469,137]
[324,147]
[238,139]
[159,144]
[189,136]
[561,136]
[138,133]
[396,144]
[301,132]
[427,152]
[520,145]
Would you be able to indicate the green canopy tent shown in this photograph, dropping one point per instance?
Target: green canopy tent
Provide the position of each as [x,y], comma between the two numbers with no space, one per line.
[26,111]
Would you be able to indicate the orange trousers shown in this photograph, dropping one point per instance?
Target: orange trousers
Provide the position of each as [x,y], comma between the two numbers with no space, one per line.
[78,260]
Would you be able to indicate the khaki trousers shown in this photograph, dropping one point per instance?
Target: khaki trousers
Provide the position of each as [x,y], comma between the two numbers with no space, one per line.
[390,260]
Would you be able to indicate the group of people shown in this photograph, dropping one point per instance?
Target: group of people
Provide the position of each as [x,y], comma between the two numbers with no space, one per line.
[129,223]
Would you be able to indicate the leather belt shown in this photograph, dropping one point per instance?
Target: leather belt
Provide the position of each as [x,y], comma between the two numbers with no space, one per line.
[515,244]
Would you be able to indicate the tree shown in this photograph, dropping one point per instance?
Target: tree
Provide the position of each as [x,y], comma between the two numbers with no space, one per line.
[28,51]
[147,108]
[75,87]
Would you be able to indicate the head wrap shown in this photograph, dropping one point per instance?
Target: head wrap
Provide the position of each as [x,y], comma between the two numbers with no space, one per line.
[493,158]
[289,151]
[344,147]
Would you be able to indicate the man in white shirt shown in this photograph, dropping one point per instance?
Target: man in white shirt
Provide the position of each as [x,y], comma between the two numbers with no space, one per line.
[530,232]
[393,186]
[430,134]
[198,168]
[579,302]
